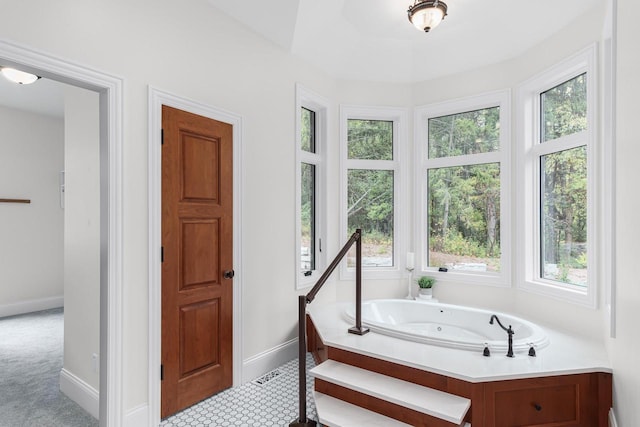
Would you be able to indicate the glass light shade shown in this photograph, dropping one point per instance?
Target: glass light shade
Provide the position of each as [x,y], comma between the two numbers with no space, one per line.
[17,76]
[428,18]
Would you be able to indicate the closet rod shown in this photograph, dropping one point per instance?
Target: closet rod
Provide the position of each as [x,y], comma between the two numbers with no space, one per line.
[15,201]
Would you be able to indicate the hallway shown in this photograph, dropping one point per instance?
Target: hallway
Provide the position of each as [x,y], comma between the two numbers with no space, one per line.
[31,351]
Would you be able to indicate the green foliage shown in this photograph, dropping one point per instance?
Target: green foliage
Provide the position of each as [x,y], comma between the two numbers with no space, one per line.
[564,203]
[370,200]
[307,131]
[426,282]
[370,139]
[456,243]
[464,201]
[307,201]
[370,192]
[471,132]
[563,275]
[581,261]
[464,210]
[564,108]
[307,210]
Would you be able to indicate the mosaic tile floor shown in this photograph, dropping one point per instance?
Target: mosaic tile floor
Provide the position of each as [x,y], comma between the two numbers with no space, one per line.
[272,403]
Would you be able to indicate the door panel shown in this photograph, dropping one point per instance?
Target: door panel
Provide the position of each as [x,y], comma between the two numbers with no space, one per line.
[199,177]
[199,330]
[197,232]
[200,253]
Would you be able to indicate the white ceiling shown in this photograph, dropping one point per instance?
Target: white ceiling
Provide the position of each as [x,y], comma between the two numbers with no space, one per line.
[373,39]
[42,97]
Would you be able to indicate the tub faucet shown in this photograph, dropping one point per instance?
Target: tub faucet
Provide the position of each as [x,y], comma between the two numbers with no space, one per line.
[509,332]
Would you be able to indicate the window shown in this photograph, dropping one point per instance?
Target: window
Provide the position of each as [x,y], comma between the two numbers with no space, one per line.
[373,192]
[311,133]
[308,192]
[557,230]
[463,154]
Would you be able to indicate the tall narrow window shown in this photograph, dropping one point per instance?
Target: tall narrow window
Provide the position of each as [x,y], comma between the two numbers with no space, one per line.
[370,190]
[563,183]
[464,201]
[464,177]
[372,183]
[557,227]
[308,193]
[311,128]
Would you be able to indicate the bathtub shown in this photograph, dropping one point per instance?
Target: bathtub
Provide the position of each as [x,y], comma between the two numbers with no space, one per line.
[448,325]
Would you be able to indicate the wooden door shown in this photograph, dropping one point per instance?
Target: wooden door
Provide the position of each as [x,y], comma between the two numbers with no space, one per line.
[197,267]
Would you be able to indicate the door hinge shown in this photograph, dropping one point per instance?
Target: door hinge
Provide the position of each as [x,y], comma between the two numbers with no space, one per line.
[161,372]
[162,136]
[161,253]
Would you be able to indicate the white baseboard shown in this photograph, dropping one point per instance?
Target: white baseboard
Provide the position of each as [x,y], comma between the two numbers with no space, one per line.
[137,417]
[268,360]
[80,392]
[29,306]
[612,419]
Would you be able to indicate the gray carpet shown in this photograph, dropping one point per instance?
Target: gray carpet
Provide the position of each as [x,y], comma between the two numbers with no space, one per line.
[31,347]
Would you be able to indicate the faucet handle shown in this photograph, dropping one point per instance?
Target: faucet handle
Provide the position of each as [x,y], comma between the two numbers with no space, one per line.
[486,352]
[532,350]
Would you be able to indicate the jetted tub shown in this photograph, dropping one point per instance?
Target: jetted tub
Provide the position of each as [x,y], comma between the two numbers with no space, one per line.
[447,325]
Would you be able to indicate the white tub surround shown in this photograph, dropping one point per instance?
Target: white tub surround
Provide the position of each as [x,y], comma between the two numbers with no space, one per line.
[568,382]
[565,354]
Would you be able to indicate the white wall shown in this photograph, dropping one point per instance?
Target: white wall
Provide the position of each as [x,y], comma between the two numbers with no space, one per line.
[626,346]
[31,157]
[81,234]
[229,67]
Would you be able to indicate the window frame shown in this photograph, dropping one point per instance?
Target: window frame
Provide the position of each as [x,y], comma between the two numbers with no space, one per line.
[530,151]
[310,100]
[502,99]
[399,166]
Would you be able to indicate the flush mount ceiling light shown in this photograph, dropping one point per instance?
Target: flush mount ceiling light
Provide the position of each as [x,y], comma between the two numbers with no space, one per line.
[425,15]
[17,76]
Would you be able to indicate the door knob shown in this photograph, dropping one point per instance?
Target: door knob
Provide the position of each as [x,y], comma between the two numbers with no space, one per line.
[228,274]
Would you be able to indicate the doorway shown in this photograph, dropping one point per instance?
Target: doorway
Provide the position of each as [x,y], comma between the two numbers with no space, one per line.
[110,98]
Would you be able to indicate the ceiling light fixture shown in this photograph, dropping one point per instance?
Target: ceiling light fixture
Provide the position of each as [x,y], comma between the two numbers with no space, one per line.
[17,76]
[425,15]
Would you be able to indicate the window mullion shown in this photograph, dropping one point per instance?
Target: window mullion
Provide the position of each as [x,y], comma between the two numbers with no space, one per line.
[467,160]
[311,158]
[371,164]
[560,144]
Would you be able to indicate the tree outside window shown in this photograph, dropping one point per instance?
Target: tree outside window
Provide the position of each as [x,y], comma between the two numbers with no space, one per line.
[463,202]
[563,184]
[370,191]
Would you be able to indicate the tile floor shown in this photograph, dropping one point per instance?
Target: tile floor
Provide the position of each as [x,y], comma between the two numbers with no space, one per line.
[273,403]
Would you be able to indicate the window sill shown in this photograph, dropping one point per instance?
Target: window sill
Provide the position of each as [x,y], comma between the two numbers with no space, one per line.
[500,280]
[572,296]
